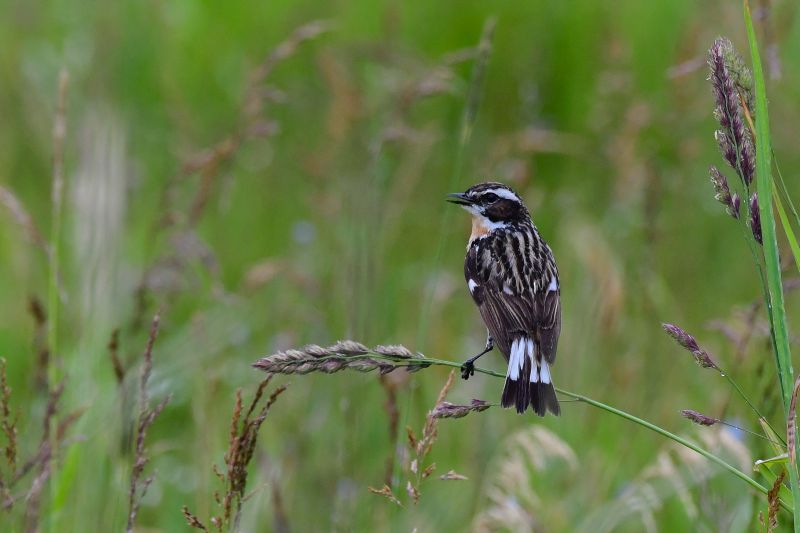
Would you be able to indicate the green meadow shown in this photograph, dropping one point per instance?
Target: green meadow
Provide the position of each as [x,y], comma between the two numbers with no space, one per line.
[269,175]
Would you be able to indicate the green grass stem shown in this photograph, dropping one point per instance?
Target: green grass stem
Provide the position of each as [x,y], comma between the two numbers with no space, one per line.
[771,257]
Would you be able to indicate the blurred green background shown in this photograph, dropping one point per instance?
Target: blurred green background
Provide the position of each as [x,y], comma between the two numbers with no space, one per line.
[264,214]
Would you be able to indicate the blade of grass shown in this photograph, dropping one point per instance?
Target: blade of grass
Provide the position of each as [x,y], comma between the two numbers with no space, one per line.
[775,297]
[54,274]
[59,133]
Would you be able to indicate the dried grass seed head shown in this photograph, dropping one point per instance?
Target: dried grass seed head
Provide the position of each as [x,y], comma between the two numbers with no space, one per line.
[722,192]
[689,343]
[343,355]
[450,410]
[699,418]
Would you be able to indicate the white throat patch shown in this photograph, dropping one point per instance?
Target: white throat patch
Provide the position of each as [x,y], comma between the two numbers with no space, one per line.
[482,226]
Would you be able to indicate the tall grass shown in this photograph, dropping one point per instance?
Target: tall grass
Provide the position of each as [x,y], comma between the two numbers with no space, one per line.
[774,298]
[261,212]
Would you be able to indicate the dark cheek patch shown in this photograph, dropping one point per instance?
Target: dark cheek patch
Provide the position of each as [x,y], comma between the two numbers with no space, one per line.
[502,210]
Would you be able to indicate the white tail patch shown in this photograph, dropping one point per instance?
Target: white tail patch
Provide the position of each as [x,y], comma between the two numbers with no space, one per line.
[515,360]
[545,372]
[520,350]
[535,373]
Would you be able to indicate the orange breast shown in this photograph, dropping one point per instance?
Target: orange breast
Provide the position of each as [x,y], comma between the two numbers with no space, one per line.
[479,228]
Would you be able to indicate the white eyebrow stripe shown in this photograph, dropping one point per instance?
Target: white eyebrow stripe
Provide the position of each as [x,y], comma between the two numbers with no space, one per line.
[503,193]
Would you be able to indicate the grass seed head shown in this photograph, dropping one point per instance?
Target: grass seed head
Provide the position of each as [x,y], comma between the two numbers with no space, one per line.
[687,341]
[699,418]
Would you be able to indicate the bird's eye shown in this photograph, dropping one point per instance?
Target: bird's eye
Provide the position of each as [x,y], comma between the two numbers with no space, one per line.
[490,198]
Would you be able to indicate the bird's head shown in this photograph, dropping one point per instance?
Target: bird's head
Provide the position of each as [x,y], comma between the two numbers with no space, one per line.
[493,203]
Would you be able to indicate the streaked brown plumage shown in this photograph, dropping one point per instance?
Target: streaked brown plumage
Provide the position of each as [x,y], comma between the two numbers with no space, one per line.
[512,277]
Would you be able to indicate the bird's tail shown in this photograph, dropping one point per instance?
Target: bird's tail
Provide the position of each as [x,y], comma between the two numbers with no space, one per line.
[528,380]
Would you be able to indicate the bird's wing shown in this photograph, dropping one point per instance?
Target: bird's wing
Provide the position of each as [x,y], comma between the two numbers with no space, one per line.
[547,313]
[508,314]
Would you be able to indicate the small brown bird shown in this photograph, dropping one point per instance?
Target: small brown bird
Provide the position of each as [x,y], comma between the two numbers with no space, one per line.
[512,276]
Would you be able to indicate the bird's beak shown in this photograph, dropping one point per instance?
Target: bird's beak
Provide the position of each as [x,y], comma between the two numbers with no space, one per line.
[458,198]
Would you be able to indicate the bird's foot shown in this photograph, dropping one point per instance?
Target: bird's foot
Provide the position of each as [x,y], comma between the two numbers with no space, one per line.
[467,370]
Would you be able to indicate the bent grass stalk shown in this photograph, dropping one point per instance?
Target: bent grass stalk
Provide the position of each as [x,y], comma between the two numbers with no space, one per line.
[644,423]
[315,358]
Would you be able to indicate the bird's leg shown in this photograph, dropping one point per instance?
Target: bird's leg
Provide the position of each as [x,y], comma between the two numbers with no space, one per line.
[468,368]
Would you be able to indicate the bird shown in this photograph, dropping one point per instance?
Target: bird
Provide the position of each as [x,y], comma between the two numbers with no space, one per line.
[512,276]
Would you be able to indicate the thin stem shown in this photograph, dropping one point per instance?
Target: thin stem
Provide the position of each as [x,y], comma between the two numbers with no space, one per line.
[680,440]
[745,430]
[753,407]
[54,274]
[59,133]
[784,190]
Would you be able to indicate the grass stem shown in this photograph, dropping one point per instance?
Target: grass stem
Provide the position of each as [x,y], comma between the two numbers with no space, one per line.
[54,274]
[605,407]
[774,299]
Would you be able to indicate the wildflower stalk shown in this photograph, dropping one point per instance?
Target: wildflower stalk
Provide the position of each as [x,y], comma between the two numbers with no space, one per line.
[774,297]
[418,362]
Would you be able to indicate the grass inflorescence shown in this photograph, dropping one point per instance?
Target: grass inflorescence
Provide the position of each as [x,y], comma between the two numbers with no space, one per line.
[244,432]
[344,355]
[146,417]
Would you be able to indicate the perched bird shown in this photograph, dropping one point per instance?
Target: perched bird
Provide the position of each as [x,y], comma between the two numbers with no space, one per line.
[512,276]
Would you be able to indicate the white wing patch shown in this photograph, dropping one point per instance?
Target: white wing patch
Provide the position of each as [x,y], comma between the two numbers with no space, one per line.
[471,284]
[507,290]
[553,284]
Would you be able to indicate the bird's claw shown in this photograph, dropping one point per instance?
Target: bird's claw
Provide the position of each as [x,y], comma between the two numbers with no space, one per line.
[467,370]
